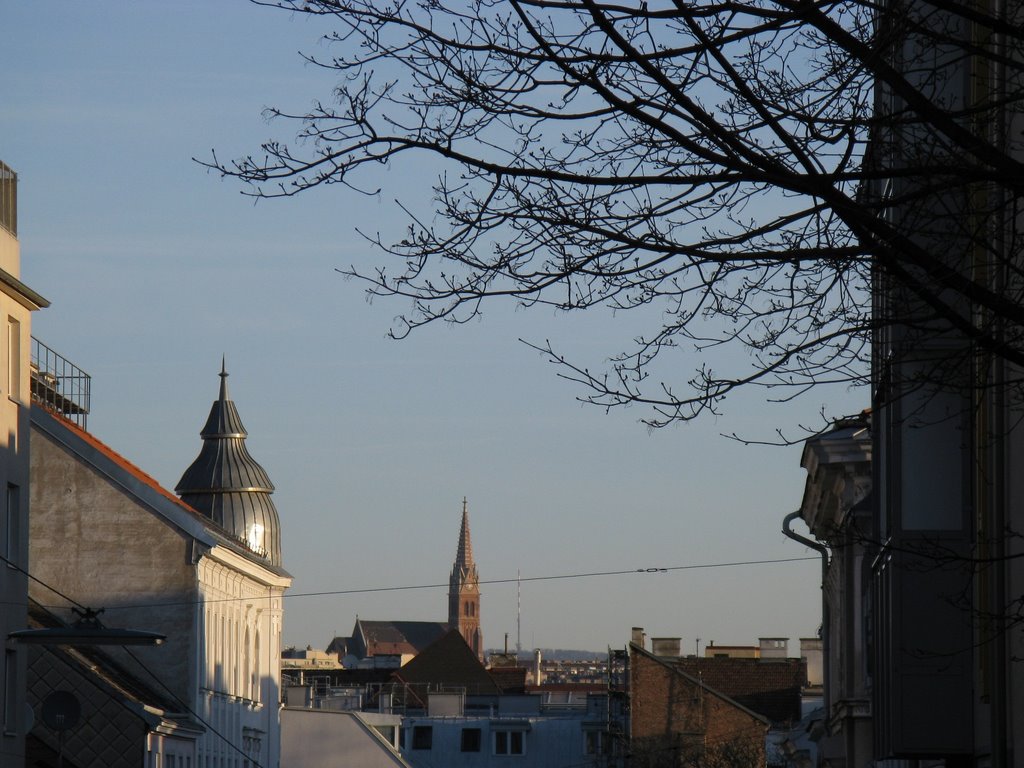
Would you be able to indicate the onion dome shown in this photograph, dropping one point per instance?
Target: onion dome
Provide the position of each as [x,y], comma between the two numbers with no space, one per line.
[228,486]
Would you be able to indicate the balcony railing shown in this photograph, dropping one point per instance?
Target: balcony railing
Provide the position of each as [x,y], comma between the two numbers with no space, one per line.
[8,199]
[59,385]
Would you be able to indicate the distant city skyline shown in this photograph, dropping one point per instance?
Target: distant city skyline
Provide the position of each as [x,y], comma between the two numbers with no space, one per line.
[156,268]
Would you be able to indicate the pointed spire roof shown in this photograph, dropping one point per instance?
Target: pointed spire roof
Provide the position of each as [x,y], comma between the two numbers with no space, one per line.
[464,555]
[227,485]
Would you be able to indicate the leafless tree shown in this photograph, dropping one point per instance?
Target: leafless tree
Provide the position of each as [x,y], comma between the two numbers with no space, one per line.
[737,174]
[698,751]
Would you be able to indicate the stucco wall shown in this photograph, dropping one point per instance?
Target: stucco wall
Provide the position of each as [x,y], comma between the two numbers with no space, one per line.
[312,738]
[9,256]
[13,475]
[93,542]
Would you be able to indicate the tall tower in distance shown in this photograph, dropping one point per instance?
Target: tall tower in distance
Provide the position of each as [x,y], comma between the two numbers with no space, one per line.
[464,591]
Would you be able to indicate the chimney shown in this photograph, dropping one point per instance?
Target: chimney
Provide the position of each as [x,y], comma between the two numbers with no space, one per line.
[666,646]
[638,638]
[773,647]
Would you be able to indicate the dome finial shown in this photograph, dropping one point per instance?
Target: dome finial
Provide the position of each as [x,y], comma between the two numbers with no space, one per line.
[223,378]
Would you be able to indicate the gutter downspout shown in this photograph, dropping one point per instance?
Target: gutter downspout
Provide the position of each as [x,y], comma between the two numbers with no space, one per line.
[826,645]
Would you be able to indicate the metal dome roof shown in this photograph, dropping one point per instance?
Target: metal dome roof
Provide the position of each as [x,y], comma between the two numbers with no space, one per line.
[227,485]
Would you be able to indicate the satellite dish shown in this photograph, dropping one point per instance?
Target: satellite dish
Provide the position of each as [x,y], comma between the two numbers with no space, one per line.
[61,711]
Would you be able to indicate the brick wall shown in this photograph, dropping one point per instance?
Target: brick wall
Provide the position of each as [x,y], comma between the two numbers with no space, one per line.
[677,721]
[770,688]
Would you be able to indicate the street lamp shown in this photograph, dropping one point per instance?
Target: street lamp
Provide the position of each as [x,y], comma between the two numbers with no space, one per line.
[86,630]
[61,710]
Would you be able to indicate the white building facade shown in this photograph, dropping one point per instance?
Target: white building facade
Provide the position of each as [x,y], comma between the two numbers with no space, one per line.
[108,536]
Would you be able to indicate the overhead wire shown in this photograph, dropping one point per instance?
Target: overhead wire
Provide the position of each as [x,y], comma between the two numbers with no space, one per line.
[250,760]
[209,727]
[513,580]
[367,590]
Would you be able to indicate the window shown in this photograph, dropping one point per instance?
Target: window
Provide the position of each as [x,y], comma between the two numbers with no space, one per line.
[13,359]
[594,742]
[387,732]
[257,683]
[12,525]
[509,742]
[470,739]
[422,737]
[10,701]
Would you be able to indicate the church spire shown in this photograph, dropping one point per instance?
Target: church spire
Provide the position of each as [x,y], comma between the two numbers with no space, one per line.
[464,590]
[464,555]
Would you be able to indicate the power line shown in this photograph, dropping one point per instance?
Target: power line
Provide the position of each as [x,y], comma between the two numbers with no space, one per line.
[138,661]
[407,587]
[411,587]
[42,583]
[555,577]
[255,763]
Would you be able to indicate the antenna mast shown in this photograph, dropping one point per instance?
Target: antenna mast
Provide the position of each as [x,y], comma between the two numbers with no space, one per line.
[519,613]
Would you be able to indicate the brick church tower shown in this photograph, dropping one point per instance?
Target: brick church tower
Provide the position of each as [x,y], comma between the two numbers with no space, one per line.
[464,591]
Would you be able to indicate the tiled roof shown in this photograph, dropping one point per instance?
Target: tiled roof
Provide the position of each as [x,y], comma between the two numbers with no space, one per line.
[672,664]
[116,458]
[449,662]
[769,687]
[131,478]
[339,645]
[398,637]
[509,679]
[93,662]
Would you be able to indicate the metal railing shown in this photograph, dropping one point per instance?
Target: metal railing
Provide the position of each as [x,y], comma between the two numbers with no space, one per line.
[59,385]
[8,199]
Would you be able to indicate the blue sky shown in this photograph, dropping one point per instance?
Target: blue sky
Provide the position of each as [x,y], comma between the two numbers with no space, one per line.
[155,268]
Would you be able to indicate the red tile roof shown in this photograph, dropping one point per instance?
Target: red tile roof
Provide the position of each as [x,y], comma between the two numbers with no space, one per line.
[769,687]
[39,414]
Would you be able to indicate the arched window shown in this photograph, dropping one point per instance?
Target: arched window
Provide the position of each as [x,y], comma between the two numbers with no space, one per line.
[256,669]
[209,651]
[218,658]
[234,687]
[247,665]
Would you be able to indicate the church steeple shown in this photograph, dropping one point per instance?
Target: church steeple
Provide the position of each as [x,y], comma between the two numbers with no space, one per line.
[227,485]
[464,590]
[464,555]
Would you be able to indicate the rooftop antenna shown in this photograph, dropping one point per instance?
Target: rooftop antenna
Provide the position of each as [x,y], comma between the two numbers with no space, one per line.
[519,613]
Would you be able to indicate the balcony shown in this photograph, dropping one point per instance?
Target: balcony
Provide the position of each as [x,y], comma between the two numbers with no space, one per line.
[59,385]
[8,199]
